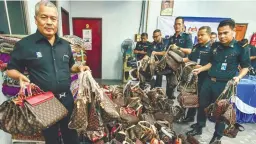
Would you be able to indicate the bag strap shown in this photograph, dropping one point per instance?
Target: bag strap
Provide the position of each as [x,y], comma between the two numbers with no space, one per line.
[239,127]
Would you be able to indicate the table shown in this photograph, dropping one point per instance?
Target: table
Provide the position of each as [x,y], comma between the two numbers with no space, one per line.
[246,100]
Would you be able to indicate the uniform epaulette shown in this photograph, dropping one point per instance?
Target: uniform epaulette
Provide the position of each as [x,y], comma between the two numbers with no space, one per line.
[197,45]
[242,43]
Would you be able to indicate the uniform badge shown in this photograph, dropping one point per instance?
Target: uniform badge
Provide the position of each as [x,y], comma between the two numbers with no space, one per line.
[223,66]
[39,54]
[215,51]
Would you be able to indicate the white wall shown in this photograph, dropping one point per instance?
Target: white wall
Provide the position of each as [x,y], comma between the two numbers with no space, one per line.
[120,20]
[241,11]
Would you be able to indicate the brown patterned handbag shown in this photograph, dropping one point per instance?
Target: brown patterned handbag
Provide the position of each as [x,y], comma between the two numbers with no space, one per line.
[109,108]
[173,60]
[94,119]
[79,117]
[47,109]
[14,119]
[189,100]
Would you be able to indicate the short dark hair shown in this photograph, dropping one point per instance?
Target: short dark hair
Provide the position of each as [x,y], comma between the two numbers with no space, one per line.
[229,22]
[177,18]
[157,30]
[214,33]
[207,28]
[144,34]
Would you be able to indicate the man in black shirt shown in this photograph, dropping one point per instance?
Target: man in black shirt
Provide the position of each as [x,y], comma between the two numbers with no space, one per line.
[143,47]
[49,62]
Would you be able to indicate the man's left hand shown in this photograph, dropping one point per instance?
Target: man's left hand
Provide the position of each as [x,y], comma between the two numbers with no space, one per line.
[236,79]
[174,47]
[83,68]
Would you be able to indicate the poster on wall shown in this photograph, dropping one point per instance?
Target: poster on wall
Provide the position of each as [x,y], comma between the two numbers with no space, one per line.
[87,37]
[167,7]
[192,24]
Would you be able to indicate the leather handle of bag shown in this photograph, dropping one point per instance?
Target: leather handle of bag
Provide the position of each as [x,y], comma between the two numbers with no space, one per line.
[239,127]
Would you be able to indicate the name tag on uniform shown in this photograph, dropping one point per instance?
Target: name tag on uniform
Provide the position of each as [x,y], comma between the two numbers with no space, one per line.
[223,66]
[38,54]
[198,61]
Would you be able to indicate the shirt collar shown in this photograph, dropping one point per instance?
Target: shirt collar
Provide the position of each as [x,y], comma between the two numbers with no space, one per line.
[179,34]
[232,43]
[39,36]
[208,44]
[162,41]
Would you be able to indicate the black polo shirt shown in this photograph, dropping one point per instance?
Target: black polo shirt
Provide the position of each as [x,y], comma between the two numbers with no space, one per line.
[48,66]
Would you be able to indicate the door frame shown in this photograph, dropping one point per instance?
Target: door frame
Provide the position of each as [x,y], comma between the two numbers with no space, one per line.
[67,13]
[92,18]
[243,24]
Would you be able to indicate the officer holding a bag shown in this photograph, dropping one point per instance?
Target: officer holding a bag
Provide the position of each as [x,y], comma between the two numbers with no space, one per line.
[49,62]
[199,54]
[225,56]
[143,47]
[180,40]
[158,50]
[181,43]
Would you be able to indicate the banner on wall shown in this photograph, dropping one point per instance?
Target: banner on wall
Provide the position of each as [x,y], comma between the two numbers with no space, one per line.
[192,24]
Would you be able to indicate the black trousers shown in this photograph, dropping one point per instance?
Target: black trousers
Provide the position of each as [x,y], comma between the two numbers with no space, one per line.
[210,91]
[158,82]
[171,83]
[69,136]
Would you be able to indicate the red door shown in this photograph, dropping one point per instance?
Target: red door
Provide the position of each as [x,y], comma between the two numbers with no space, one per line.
[65,22]
[93,55]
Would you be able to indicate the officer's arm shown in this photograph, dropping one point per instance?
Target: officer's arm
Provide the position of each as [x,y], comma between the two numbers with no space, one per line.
[16,66]
[185,60]
[253,53]
[252,57]
[245,63]
[205,67]
[186,50]
[189,44]
[136,49]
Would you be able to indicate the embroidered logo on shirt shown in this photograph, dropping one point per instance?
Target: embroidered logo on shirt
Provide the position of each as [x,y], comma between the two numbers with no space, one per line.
[38,54]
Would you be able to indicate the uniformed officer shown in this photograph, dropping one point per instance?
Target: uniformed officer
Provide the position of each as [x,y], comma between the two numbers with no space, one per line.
[49,62]
[199,54]
[181,41]
[142,47]
[213,37]
[158,49]
[225,56]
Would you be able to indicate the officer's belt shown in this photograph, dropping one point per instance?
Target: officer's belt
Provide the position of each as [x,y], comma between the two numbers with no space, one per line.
[60,95]
[218,79]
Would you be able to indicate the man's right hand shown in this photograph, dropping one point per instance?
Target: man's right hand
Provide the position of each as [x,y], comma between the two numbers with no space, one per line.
[23,80]
[196,71]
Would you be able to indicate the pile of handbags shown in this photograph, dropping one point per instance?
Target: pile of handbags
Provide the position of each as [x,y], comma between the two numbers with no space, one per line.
[28,113]
[124,114]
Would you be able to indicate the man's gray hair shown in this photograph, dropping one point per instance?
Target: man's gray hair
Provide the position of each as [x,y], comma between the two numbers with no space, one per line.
[45,3]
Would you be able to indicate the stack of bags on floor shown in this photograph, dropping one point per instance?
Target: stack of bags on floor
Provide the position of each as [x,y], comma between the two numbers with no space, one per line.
[10,87]
[125,114]
[78,47]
